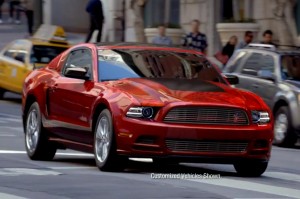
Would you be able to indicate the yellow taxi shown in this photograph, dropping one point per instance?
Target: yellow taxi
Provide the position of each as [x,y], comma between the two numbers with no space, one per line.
[19,57]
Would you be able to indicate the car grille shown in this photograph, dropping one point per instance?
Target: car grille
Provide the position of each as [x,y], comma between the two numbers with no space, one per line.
[206,146]
[207,115]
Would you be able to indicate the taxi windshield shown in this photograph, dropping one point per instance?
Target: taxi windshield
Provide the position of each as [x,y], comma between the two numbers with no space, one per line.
[44,54]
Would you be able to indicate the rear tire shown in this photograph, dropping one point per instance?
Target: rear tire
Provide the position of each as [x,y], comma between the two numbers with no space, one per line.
[250,168]
[37,144]
[284,133]
[105,147]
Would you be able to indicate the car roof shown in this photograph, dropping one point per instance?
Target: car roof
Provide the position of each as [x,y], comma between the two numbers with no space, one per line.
[280,49]
[144,45]
[48,43]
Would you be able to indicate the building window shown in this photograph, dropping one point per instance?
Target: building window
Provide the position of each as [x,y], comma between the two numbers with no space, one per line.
[236,10]
[166,12]
[297,15]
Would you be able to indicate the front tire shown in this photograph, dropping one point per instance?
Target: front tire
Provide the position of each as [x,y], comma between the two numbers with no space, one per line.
[37,144]
[250,168]
[284,134]
[105,148]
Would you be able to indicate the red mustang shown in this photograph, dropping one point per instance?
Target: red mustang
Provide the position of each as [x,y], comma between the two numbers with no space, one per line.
[132,100]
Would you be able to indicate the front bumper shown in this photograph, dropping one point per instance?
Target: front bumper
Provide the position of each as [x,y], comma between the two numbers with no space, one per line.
[142,138]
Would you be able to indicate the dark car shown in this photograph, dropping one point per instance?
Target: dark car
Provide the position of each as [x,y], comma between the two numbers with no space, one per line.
[274,75]
[129,100]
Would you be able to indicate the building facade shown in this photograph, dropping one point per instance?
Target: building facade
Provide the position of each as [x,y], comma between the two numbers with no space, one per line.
[280,16]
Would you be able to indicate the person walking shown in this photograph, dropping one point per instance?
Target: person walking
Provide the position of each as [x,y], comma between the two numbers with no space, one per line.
[94,8]
[28,8]
[248,37]
[1,3]
[13,7]
[227,51]
[268,38]
[161,38]
[195,39]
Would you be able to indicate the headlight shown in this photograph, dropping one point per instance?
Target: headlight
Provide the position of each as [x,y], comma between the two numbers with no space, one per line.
[260,117]
[140,112]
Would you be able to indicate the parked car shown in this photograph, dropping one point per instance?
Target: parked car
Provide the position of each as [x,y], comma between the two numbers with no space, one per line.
[134,100]
[20,56]
[274,75]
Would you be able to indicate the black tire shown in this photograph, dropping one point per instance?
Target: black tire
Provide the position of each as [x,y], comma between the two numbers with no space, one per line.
[2,92]
[289,138]
[112,161]
[43,149]
[250,168]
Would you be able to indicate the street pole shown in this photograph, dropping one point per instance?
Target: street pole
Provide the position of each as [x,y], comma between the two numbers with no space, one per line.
[38,13]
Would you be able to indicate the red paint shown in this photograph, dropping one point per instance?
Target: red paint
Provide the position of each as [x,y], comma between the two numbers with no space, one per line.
[68,111]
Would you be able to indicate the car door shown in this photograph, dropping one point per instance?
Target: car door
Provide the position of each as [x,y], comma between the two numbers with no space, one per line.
[71,99]
[251,80]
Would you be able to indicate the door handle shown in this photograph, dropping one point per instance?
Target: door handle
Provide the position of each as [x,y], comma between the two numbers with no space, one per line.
[255,86]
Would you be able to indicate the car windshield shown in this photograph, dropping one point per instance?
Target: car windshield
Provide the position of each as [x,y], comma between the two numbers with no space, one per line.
[44,54]
[140,63]
[290,67]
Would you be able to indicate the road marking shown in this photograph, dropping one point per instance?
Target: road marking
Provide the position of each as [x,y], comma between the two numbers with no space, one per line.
[26,171]
[10,116]
[141,159]
[283,176]
[10,196]
[7,135]
[251,186]
[61,154]
[69,168]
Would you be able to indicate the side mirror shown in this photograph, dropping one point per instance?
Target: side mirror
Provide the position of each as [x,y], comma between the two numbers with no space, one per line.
[232,79]
[20,58]
[266,74]
[77,72]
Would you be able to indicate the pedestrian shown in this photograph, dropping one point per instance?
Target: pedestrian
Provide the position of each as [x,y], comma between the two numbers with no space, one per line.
[268,38]
[13,7]
[1,3]
[28,8]
[227,51]
[195,39]
[248,37]
[230,46]
[161,38]
[94,8]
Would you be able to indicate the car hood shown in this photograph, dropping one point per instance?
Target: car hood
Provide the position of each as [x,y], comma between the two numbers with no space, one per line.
[164,91]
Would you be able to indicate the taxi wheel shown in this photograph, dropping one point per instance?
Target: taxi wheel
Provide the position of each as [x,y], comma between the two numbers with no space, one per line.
[105,149]
[250,168]
[37,144]
[2,91]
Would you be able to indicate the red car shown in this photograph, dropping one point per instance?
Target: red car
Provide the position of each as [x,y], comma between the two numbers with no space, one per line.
[132,100]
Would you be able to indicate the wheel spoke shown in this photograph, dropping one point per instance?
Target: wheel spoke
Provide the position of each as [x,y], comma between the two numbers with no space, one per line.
[102,141]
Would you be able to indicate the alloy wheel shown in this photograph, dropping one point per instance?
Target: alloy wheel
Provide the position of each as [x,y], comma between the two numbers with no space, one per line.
[32,131]
[281,126]
[103,139]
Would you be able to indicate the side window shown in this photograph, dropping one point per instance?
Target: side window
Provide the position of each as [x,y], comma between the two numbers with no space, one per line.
[257,62]
[81,58]
[235,61]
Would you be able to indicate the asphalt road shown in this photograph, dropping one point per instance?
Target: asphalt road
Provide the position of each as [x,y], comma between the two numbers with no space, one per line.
[74,175]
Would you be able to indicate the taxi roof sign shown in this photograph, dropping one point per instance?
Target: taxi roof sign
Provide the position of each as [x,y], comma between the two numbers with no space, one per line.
[51,33]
